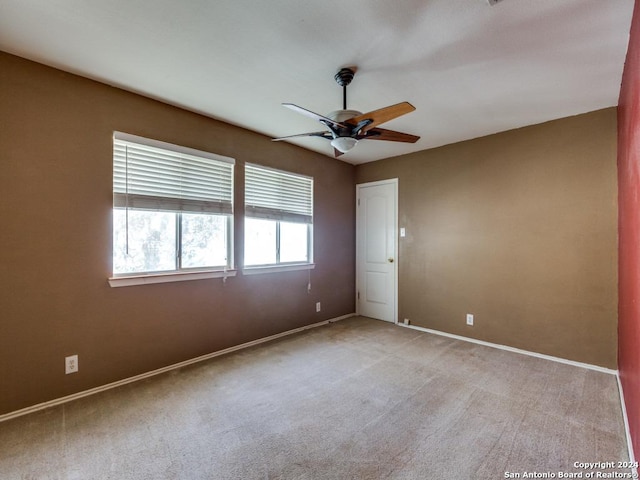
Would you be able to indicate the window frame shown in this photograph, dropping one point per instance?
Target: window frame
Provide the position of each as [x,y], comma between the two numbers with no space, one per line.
[279,217]
[180,273]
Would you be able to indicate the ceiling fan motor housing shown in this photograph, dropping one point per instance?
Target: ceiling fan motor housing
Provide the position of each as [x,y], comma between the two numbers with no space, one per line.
[343,115]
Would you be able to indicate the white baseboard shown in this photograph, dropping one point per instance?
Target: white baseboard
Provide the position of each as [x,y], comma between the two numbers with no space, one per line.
[102,388]
[513,349]
[632,457]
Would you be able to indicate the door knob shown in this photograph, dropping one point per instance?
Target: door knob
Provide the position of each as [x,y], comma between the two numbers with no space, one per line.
[391,260]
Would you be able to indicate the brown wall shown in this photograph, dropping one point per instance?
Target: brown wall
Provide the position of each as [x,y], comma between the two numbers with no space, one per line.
[518,228]
[55,241]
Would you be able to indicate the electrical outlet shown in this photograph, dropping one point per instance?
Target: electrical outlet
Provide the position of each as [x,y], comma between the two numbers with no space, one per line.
[71,364]
[318,306]
[470,319]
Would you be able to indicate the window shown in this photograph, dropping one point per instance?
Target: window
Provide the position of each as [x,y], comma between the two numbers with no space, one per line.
[172,208]
[278,217]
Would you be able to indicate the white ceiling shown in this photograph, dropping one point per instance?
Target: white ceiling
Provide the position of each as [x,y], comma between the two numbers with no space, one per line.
[470,69]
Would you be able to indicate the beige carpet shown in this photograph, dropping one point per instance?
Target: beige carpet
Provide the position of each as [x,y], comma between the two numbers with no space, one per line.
[357,399]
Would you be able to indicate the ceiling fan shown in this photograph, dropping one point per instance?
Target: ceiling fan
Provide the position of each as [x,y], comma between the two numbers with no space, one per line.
[347,127]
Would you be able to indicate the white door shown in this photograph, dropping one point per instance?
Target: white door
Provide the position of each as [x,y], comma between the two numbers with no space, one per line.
[376,252]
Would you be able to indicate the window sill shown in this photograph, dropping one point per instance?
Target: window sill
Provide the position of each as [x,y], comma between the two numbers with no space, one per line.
[277,268]
[169,277]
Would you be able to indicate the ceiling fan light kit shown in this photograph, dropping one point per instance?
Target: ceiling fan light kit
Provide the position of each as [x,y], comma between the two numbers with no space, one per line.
[344,144]
[347,127]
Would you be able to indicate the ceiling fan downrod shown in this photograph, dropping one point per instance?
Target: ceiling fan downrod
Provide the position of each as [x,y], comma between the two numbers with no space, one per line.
[344,77]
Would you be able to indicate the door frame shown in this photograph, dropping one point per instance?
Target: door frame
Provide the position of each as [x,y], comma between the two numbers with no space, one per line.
[359,186]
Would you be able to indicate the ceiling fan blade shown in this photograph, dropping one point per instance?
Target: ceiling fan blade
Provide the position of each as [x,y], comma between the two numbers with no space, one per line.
[323,134]
[313,115]
[382,115]
[389,135]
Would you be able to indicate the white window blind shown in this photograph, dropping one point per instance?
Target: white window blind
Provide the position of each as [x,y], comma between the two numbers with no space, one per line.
[153,175]
[278,195]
